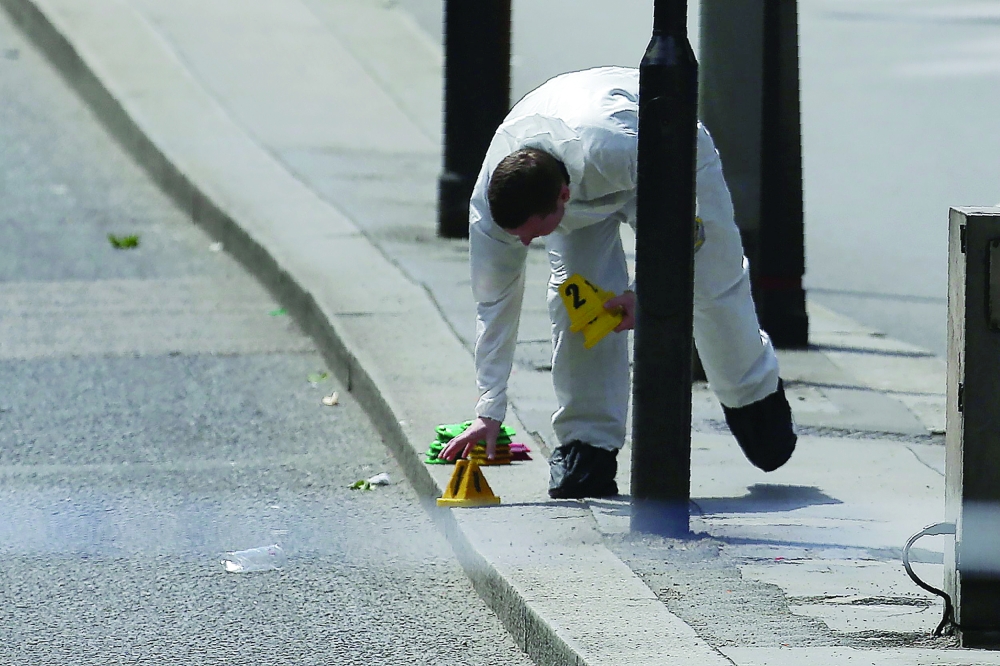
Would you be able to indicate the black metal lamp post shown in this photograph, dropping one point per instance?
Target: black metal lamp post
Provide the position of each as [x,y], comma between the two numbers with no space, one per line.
[661,430]
[476,99]
[749,100]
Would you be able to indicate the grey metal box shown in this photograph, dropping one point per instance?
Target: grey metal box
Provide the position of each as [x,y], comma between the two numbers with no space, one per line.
[972,470]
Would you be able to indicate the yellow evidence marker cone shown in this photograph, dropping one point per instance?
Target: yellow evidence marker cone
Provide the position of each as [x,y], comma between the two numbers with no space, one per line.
[467,487]
[584,302]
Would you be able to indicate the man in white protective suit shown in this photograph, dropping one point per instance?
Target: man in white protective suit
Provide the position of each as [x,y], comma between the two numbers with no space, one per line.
[562,166]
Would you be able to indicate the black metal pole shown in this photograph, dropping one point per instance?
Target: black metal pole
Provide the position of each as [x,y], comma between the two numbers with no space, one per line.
[750,103]
[661,425]
[476,99]
[781,300]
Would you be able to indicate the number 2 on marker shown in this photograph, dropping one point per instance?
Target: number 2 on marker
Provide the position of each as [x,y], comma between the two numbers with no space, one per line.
[573,290]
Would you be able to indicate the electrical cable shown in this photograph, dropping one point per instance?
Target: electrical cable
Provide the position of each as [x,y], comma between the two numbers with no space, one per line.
[947,624]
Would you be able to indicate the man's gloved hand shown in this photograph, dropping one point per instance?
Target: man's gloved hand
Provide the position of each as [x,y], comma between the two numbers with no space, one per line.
[482,428]
[624,304]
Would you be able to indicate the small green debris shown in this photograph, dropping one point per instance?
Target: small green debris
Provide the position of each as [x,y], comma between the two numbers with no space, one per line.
[123,242]
[278,313]
[377,480]
[318,377]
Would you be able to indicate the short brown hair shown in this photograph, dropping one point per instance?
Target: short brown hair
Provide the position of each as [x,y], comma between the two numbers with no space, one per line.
[527,182]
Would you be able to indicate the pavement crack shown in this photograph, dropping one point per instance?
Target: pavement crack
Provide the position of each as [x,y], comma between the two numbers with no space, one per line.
[924,462]
[840,600]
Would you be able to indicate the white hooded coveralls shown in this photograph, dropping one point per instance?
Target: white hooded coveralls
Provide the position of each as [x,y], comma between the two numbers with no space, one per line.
[589,120]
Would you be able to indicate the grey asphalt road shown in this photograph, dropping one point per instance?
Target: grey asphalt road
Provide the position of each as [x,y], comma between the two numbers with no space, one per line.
[899,124]
[155,411]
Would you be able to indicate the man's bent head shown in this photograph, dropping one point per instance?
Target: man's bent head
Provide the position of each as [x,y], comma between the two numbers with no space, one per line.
[528,182]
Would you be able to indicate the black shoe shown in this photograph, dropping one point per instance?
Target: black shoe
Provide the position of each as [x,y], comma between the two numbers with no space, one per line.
[764,430]
[579,470]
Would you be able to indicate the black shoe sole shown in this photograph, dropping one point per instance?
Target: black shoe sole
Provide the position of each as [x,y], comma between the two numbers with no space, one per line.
[581,493]
[764,430]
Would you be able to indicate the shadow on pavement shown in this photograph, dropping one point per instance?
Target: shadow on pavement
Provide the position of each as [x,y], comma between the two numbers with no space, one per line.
[760,498]
[765,498]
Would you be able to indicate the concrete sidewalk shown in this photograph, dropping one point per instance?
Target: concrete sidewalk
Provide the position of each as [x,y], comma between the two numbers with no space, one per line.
[305,136]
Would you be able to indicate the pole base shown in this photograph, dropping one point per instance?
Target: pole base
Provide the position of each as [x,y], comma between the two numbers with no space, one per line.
[668,519]
[783,315]
[454,192]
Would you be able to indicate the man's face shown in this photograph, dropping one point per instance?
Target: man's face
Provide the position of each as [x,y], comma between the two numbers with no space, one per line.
[537,226]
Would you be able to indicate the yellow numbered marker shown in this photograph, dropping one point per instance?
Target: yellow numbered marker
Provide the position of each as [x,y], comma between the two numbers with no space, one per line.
[584,302]
[467,487]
